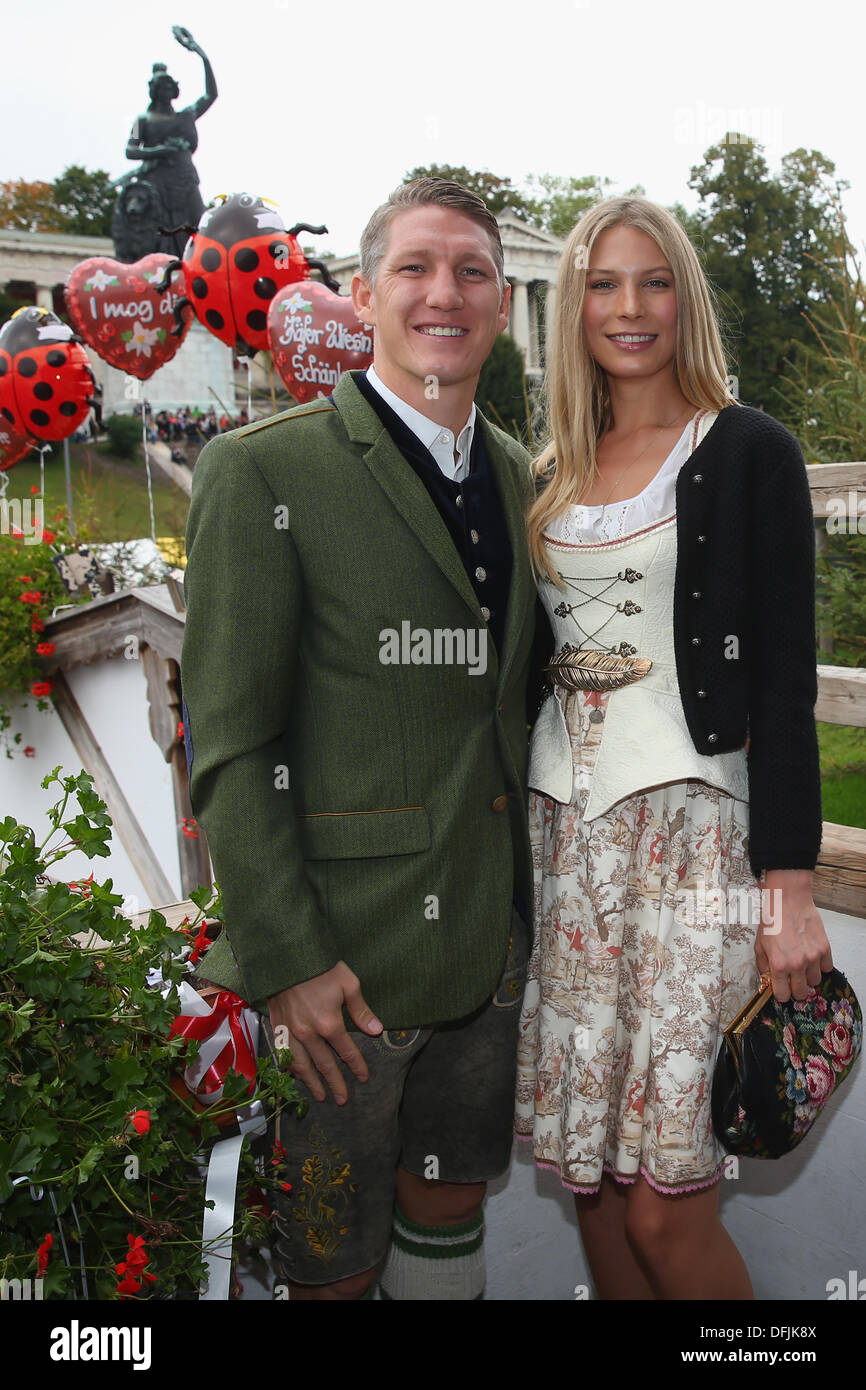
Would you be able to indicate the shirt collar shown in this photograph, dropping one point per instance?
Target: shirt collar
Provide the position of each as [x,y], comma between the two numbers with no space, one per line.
[438,439]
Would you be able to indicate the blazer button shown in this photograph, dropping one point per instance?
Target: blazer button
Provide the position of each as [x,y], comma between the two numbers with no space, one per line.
[697,477]
[696,594]
[696,641]
[702,694]
[500,803]
[712,738]
[702,540]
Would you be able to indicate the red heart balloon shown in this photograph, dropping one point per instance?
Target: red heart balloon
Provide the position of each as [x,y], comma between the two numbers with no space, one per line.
[13,444]
[315,337]
[118,310]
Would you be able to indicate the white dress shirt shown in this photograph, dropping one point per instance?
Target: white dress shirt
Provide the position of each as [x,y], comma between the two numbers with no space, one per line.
[437,438]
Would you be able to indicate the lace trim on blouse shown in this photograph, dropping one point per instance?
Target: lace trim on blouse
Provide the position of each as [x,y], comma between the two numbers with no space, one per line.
[589,525]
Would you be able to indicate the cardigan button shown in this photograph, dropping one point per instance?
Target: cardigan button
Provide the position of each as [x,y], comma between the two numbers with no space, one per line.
[480,574]
[712,738]
[697,477]
[696,641]
[702,540]
[696,594]
[702,694]
[458,500]
[485,613]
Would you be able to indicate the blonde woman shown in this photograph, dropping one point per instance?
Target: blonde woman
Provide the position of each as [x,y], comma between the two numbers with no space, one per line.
[674,769]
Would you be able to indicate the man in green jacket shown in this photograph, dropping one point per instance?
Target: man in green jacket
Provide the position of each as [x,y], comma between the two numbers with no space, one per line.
[359,623]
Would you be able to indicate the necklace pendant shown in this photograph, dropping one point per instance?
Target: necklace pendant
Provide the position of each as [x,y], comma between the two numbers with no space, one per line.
[596,716]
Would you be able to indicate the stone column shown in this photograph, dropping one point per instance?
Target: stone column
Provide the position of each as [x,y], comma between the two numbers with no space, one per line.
[519,326]
[45,297]
[549,308]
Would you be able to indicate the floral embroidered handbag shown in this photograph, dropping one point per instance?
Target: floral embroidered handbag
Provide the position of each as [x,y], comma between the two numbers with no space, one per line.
[780,1063]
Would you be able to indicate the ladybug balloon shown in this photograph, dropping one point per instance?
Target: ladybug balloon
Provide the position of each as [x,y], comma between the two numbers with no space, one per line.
[46,383]
[234,263]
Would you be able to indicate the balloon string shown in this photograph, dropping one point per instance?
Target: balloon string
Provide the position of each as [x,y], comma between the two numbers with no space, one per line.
[149,480]
[246,362]
[44,449]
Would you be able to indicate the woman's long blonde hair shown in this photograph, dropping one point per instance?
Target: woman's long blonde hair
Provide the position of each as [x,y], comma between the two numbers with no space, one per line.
[576,393]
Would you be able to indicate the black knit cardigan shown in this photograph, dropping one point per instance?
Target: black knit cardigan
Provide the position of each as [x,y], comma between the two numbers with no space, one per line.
[744,624]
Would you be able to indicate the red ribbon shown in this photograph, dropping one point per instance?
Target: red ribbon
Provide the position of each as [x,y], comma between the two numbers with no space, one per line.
[237,1054]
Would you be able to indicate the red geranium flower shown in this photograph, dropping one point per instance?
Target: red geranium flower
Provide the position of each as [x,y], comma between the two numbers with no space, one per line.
[186,826]
[45,648]
[200,944]
[30,751]
[128,1284]
[286,1186]
[43,1252]
[48,537]
[30,596]
[40,688]
[180,728]
[34,489]
[141,1124]
[37,625]
[137,1254]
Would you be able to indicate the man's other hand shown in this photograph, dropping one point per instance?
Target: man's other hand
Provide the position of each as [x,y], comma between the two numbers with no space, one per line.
[312,1013]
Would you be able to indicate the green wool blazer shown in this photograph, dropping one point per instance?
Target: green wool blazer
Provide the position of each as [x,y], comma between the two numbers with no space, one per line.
[357,808]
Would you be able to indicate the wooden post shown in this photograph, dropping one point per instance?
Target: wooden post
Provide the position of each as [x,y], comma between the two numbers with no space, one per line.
[129,832]
[165,709]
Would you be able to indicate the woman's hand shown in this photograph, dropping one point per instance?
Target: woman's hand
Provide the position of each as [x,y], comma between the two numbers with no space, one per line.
[792,944]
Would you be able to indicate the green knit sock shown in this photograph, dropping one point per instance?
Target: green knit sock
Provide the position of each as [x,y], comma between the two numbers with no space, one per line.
[434,1262]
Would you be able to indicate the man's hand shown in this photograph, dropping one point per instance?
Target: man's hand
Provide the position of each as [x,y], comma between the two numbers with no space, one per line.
[312,1013]
[792,945]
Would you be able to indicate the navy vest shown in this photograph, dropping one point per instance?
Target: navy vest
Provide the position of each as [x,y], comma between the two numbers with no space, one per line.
[472,510]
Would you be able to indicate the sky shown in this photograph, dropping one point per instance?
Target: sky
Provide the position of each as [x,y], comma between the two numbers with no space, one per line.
[324,114]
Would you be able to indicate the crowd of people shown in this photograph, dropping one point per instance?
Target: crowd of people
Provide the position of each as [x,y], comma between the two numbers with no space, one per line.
[195,426]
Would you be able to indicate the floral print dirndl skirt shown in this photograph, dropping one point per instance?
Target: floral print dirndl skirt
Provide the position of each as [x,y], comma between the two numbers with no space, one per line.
[645,924]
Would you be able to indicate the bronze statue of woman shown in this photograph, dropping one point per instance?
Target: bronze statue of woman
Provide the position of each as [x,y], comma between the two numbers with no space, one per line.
[164,191]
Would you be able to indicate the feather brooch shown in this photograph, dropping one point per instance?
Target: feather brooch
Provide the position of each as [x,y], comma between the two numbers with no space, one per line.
[575,670]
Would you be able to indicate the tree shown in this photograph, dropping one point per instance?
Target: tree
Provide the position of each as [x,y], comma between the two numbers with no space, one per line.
[498,193]
[78,201]
[501,393]
[826,393]
[28,207]
[85,200]
[769,250]
[560,202]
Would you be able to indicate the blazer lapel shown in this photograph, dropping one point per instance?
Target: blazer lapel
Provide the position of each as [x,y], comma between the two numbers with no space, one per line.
[403,487]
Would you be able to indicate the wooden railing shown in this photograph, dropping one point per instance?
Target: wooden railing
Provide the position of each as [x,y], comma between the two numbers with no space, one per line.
[839,491]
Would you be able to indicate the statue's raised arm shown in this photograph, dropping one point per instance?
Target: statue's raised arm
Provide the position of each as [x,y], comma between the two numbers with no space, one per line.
[186,40]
